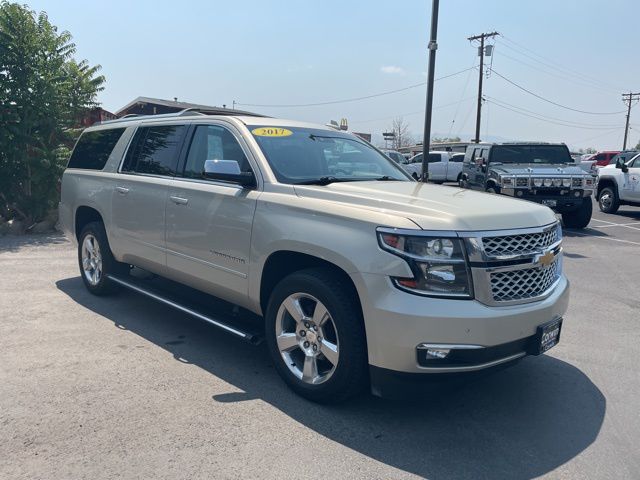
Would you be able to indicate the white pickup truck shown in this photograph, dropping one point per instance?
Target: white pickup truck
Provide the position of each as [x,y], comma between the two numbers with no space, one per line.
[443,166]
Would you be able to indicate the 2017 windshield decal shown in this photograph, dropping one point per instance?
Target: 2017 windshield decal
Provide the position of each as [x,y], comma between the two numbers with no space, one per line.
[271,132]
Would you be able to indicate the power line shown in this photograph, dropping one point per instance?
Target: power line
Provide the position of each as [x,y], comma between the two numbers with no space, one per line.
[347,100]
[568,79]
[557,65]
[544,119]
[564,120]
[551,101]
[411,113]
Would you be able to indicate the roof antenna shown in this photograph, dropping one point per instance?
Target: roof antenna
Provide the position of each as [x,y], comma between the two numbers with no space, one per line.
[175,99]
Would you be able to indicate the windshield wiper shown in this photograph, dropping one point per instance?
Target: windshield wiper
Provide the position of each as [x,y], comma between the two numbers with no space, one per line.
[322,181]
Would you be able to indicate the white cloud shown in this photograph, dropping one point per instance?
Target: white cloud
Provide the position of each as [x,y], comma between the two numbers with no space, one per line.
[392,70]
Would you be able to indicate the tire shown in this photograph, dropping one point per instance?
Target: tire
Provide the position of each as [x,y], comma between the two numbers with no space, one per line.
[459,179]
[463,183]
[608,200]
[100,264]
[492,189]
[337,376]
[415,176]
[579,218]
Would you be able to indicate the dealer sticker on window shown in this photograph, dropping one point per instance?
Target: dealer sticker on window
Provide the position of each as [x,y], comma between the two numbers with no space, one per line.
[271,132]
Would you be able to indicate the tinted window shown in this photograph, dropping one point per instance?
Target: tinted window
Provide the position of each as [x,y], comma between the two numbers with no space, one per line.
[434,157]
[154,150]
[303,154]
[211,142]
[553,154]
[93,149]
[417,159]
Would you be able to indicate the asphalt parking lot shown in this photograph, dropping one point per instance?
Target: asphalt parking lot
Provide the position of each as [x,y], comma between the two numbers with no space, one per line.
[125,388]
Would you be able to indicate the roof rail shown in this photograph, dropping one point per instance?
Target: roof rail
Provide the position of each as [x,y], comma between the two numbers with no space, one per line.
[215,111]
[183,113]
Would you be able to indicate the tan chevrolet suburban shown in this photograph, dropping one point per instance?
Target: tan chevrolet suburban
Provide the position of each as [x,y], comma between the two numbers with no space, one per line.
[363,277]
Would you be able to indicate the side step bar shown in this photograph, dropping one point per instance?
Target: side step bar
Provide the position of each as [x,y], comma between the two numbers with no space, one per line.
[219,322]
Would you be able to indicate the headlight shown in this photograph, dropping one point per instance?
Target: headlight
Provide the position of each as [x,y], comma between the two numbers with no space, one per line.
[589,182]
[537,182]
[576,183]
[438,264]
[557,182]
[547,182]
[506,181]
[566,182]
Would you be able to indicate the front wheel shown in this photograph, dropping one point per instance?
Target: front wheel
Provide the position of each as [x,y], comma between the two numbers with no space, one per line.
[579,218]
[608,200]
[315,335]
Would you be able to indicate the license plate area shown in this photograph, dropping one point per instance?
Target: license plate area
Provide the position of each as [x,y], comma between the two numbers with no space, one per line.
[549,202]
[547,336]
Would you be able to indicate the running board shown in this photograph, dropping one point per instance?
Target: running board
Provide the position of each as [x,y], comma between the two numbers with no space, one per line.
[218,321]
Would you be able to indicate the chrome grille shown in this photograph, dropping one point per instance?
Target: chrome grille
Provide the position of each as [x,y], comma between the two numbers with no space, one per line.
[520,244]
[523,284]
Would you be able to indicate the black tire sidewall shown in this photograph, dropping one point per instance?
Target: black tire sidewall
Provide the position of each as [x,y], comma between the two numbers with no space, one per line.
[580,217]
[615,204]
[351,374]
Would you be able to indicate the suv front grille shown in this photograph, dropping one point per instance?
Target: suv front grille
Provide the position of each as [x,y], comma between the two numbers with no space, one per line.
[523,284]
[520,244]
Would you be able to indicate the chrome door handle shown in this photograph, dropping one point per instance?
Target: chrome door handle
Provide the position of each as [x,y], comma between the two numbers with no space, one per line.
[122,190]
[179,200]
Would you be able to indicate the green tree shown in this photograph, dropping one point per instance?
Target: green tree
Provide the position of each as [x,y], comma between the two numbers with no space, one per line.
[44,92]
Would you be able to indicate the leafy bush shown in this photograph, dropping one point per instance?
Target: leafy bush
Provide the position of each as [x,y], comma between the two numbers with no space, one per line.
[44,92]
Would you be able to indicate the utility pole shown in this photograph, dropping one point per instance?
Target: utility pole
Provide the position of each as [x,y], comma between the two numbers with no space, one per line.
[628,99]
[433,46]
[481,51]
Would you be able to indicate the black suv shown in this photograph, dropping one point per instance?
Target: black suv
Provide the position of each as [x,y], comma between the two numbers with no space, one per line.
[540,172]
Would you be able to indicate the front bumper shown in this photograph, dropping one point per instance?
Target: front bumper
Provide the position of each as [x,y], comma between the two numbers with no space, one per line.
[397,322]
[565,199]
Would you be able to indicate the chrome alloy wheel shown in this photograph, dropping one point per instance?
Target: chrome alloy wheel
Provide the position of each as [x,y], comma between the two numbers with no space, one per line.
[307,338]
[606,200]
[91,260]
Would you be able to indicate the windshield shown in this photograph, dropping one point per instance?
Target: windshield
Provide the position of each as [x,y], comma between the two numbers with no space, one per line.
[302,155]
[553,154]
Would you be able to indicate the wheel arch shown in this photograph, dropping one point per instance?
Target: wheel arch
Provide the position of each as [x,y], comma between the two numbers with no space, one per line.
[83,216]
[606,182]
[282,263]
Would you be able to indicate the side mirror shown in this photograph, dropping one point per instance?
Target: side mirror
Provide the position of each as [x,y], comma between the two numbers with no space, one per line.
[621,165]
[228,171]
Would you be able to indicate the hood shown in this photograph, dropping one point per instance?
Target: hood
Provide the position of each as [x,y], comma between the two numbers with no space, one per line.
[536,169]
[433,207]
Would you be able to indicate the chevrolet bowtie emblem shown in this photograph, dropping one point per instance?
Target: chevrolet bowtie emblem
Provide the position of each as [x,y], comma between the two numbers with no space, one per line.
[546,259]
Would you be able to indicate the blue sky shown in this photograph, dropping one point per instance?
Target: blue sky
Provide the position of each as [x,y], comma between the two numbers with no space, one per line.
[581,54]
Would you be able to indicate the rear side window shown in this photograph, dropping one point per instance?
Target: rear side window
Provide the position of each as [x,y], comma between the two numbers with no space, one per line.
[93,149]
[434,158]
[154,150]
[458,157]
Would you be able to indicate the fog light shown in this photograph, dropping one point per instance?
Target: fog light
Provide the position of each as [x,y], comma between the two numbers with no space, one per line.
[437,353]
[576,194]
[519,193]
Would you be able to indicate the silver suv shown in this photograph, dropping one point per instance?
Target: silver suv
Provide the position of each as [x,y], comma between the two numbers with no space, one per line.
[362,276]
